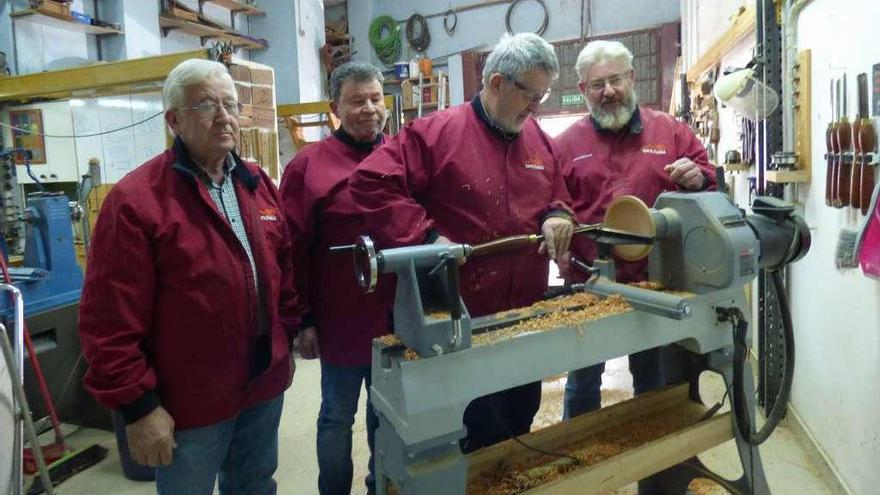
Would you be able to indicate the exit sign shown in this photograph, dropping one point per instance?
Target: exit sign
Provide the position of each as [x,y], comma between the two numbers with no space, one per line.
[574,99]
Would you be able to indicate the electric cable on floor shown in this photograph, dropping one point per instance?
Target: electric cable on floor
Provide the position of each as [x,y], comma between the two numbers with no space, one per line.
[515,438]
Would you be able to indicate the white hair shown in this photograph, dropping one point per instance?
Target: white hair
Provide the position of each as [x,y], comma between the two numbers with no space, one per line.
[189,73]
[602,51]
[518,53]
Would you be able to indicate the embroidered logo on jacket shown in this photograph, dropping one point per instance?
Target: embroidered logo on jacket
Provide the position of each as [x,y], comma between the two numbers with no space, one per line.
[268,214]
[534,164]
[654,149]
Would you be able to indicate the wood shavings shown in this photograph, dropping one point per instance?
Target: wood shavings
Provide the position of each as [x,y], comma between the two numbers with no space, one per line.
[648,284]
[591,308]
[390,340]
[438,315]
[704,486]
[541,469]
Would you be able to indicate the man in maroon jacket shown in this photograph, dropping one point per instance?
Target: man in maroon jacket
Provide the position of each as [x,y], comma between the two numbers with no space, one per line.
[341,321]
[470,174]
[188,308]
[621,148]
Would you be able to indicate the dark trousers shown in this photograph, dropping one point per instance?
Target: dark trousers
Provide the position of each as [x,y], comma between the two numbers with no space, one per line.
[583,387]
[496,417]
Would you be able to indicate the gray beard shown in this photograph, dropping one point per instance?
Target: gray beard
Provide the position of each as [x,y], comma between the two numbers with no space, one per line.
[615,119]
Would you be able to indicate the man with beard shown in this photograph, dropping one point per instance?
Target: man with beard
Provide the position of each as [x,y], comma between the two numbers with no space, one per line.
[470,174]
[341,321]
[619,149]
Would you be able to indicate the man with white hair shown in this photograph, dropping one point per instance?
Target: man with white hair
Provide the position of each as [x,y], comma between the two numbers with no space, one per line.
[473,173]
[619,149]
[188,309]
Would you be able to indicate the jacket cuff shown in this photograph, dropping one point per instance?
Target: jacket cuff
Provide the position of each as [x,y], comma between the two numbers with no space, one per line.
[559,213]
[141,406]
[431,236]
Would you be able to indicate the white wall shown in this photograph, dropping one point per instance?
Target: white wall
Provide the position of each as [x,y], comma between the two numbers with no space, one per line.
[836,315]
[485,25]
[296,33]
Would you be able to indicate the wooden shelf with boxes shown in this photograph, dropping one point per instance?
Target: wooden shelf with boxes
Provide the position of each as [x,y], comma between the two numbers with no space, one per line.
[427,90]
[205,32]
[58,15]
[236,6]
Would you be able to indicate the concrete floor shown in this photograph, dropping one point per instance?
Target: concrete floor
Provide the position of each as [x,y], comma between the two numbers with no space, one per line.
[787,463]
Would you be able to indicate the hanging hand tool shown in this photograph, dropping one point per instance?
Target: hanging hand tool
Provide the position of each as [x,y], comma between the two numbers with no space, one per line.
[856,172]
[844,167]
[831,147]
[867,143]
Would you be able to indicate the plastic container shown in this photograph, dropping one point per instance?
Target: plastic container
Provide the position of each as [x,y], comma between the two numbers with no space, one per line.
[401,70]
[426,66]
[131,469]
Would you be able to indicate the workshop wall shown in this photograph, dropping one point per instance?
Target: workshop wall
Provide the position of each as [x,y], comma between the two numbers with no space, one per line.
[483,26]
[835,314]
[296,32]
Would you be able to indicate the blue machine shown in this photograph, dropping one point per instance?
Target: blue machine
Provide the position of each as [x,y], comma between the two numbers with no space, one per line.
[50,276]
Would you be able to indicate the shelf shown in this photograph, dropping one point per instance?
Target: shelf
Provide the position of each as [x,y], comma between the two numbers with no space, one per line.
[424,106]
[236,6]
[204,31]
[787,176]
[53,19]
[737,167]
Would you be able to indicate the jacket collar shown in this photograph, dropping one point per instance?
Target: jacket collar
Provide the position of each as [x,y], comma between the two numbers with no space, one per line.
[363,146]
[477,104]
[184,165]
[634,126]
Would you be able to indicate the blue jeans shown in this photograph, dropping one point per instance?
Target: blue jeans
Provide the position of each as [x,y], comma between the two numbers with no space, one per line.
[340,390]
[243,450]
[583,387]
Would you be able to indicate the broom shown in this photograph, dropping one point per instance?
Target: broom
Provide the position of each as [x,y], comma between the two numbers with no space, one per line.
[63,461]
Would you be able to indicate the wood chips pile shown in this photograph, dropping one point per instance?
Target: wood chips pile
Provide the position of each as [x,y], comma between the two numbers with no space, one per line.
[517,477]
[569,311]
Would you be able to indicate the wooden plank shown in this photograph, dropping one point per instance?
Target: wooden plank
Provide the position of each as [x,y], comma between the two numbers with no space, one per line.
[643,461]
[787,176]
[52,19]
[743,26]
[551,438]
[236,6]
[803,87]
[61,83]
[316,107]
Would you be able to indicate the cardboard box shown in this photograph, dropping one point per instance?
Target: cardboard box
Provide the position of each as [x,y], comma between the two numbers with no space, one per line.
[261,96]
[240,73]
[262,76]
[411,93]
[244,93]
[54,8]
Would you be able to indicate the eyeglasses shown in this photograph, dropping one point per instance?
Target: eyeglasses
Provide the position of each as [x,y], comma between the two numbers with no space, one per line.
[536,96]
[616,81]
[210,108]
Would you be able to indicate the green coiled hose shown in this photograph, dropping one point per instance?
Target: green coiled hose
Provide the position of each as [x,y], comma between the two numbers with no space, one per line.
[387,47]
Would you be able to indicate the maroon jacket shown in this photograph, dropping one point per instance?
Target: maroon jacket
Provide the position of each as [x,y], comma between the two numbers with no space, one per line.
[320,213]
[601,165]
[169,312]
[453,174]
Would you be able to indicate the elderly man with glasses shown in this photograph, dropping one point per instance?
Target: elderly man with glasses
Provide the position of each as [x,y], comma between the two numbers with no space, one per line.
[470,174]
[188,310]
[621,148]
